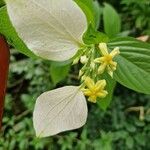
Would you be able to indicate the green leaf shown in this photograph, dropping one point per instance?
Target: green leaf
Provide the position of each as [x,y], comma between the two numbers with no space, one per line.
[10,34]
[58,71]
[130,142]
[92,11]
[112,22]
[140,139]
[98,11]
[105,102]
[133,70]
[94,37]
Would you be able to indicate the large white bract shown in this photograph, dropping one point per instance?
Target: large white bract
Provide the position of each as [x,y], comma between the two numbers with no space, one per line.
[59,110]
[52,29]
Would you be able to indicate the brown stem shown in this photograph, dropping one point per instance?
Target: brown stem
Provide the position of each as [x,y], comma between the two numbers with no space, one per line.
[139,109]
[4,64]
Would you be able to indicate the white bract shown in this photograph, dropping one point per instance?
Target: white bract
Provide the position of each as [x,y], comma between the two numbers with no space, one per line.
[52,29]
[59,110]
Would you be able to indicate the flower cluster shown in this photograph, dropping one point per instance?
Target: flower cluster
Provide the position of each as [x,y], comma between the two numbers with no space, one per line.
[93,69]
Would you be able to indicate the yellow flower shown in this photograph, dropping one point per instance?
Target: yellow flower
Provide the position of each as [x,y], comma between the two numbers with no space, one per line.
[106,60]
[94,90]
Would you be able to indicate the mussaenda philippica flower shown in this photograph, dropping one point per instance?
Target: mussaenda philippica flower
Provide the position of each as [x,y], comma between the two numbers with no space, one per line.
[106,61]
[53,30]
[94,90]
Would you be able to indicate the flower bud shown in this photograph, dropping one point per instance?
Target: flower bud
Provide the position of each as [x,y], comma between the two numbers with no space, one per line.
[83,59]
[83,78]
[81,73]
[92,65]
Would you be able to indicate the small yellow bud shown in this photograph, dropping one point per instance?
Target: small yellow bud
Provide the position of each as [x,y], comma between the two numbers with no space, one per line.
[92,65]
[83,78]
[83,59]
[81,73]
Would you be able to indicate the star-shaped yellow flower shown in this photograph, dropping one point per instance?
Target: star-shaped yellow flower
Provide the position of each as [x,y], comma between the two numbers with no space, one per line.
[106,60]
[94,90]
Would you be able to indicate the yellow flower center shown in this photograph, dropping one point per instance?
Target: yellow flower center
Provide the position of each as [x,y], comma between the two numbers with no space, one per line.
[108,59]
[94,91]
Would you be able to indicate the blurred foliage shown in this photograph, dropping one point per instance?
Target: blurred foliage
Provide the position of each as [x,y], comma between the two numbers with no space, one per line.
[134,15]
[111,130]
[114,22]
[137,14]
